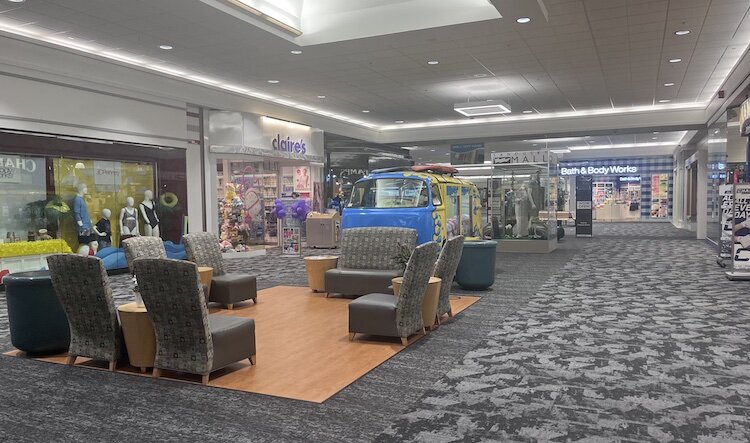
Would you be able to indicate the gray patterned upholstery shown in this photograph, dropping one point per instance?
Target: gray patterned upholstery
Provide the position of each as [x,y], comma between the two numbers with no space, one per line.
[388,315]
[367,264]
[374,248]
[445,269]
[416,278]
[82,286]
[202,248]
[143,247]
[187,338]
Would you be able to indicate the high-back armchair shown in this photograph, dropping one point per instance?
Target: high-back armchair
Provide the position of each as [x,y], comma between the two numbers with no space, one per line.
[141,247]
[445,269]
[81,284]
[397,316]
[188,339]
[202,248]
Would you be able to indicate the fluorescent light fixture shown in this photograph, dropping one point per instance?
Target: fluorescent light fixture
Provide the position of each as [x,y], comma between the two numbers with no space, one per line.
[682,32]
[167,70]
[272,17]
[321,96]
[528,111]
[201,79]
[122,58]
[399,122]
[166,47]
[675,60]
[473,109]
[560,151]
[668,84]
[366,111]
[523,20]
[623,146]
[273,82]
[664,100]
[296,52]
[433,62]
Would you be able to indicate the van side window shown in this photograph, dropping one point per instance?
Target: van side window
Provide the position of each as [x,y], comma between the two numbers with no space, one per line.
[436,200]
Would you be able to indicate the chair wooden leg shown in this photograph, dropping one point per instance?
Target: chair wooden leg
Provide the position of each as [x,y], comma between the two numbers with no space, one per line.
[143,370]
[351,336]
[71,360]
[437,320]
[112,365]
[204,379]
[230,306]
[450,313]
[255,301]
[404,341]
[424,331]
[253,360]
[156,373]
[327,294]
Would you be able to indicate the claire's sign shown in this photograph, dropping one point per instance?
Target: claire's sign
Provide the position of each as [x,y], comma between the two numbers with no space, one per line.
[288,145]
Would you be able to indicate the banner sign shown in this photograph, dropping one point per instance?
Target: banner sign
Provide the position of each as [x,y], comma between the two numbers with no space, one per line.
[523,158]
[467,153]
[13,166]
[291,241]
[741,247]
[725,242]
[584,210]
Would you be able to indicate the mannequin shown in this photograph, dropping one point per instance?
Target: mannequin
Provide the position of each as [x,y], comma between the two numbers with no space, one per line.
[150,218]
[103,228]
[128,220]
[524,205]
[81,214]
[89,249]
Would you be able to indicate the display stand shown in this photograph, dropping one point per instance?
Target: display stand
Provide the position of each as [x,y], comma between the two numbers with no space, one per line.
[724,253]
[741,233]
[524,185]
[584,209]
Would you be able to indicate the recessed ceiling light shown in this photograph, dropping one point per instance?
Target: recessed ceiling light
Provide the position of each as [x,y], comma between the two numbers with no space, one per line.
[480,75]
[682,32]
[366,111]
[433,62]
[16,1]
[321,96]
[527,111]
[675,60]
[273,81]
[399,121]
[664,101]
[296,52]
[432,150]
[656,132]
[165,47]
[523,20]
[654,138]
[668,84]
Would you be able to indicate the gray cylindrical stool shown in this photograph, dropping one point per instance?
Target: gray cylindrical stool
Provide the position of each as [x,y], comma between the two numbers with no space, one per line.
[476,270]
[38,324]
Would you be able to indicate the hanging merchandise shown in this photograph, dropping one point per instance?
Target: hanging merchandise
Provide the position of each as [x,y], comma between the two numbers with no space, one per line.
[741,235]
[235,227]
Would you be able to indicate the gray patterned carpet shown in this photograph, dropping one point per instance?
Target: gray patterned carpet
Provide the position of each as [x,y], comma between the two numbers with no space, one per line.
[632,335]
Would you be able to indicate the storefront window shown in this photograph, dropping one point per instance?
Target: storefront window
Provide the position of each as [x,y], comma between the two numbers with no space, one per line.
[57,199]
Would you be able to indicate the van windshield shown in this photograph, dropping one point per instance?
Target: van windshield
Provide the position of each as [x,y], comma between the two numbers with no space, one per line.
[389,193]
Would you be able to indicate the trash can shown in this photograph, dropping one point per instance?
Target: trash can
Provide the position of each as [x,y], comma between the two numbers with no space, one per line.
[476,270]
[38,324]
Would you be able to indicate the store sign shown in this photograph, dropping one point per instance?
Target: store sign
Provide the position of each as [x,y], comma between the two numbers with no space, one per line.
[599,170]
[467,153]
[107,173]
[521,158]
[242,133]
[289,145]
[584,210]
[12,166]
[635,178]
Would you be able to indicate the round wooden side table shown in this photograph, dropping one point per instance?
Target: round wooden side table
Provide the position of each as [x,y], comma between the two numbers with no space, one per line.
[430,302]
[139,335]
[316,268]
[206,273]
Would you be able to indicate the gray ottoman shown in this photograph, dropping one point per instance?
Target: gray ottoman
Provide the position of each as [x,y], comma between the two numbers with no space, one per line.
[476,270]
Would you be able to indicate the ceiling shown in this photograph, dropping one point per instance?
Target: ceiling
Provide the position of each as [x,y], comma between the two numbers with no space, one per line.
[590,55]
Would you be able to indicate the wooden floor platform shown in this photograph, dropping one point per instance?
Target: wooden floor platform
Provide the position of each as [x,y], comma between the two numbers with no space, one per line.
[303,346]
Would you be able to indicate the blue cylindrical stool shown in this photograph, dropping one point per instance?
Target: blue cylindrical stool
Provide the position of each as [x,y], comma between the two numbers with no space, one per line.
[38,324]
[476,270]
